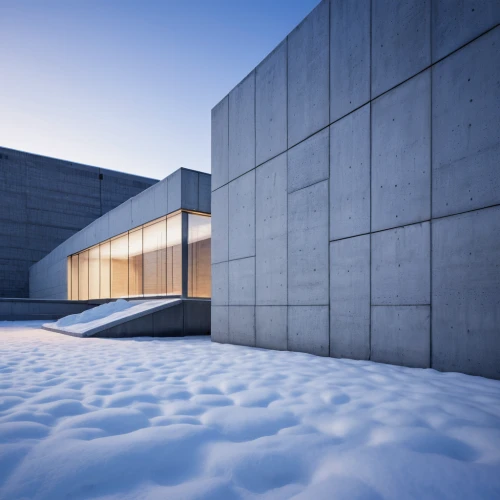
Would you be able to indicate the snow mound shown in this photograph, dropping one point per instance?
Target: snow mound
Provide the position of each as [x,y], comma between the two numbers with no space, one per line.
[155,419]
[93,320]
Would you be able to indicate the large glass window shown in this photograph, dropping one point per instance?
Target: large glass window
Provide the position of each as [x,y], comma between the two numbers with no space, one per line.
[199,261]
[83,275]
[174,255]
[146,261]
[135,262]
[105,269]
[155,258]
[74,277]
[94,273]
[119,266]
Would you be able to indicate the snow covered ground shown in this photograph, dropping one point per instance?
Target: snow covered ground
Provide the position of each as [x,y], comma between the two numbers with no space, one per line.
[185,419]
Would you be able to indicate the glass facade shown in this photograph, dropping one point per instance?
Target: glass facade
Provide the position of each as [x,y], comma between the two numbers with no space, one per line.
[167,256]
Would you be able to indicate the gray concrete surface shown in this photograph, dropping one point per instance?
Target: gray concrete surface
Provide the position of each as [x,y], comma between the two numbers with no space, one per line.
[368,244]
[48,277]
[37,309]
[43,202]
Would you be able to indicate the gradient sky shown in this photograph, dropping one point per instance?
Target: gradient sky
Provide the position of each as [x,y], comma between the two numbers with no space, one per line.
[129,84]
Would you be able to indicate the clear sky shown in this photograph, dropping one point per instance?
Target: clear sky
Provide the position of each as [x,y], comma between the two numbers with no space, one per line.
[129,84]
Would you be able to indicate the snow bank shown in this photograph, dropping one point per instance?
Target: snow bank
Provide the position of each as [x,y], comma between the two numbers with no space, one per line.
[190,419]
[90,321]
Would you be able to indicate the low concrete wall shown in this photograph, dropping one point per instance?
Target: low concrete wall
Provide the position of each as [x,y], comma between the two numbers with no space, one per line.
[33,309]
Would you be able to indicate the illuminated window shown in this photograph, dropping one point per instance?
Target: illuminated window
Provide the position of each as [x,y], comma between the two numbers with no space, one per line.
[146,261]
[199,261]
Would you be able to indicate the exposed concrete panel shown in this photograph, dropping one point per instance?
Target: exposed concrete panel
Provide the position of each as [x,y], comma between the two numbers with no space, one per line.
[220,324]
[242,325]
[189,189]
[220,284]
[242,216]
[308,245]
[456,22]
[350,175]
[120,219]
[401,266]
[401,335]
[349,56]
[271,327]
[271,232]
[350,298]
[204,194]
[465,128]
[150,204]
[242,282]
[242,127]
[270,105]
[196,317]
[308,162]
[220,144]
[308,329]
[308,75]
[401,41]
[466,293]
[174,191]
[401,170]
[220,227]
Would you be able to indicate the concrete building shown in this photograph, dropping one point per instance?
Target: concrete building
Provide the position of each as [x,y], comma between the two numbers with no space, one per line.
[356,188]
[44,201]
[156,244]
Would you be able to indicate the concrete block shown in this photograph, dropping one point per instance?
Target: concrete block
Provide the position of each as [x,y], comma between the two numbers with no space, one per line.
[401,262]
[350,175]
[308,75]
[133,328]
[465,125]
[457,22]
[242,282]
[220,144]
[308,162]
[401,41]
[349,56]
[219,324]
[271,232]
[150,204]
[271,327]
[401,335]
[271,105]
[190,189]
[242,325]
[308,245]
[466,293]
[350,298]
[174,187]
[308,329]
[169,322]
[242,127]
[401,170]
[220,227]
[204,193]
[242,216]
[220,284]
[196,317]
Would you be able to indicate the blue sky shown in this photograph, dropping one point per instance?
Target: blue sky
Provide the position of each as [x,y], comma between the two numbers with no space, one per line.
[129,85]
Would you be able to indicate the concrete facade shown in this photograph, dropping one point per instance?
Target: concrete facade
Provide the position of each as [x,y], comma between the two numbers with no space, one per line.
[183,189]
[373,230]
[44,201]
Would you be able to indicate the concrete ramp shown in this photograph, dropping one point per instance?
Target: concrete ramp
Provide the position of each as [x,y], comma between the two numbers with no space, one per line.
[138,318]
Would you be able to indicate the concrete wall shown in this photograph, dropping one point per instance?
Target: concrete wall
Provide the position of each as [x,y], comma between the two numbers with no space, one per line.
[356,188]
[187,189]
[44,201]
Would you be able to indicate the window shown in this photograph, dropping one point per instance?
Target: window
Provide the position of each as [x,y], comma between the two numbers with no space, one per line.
[199,256]
[146,261]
